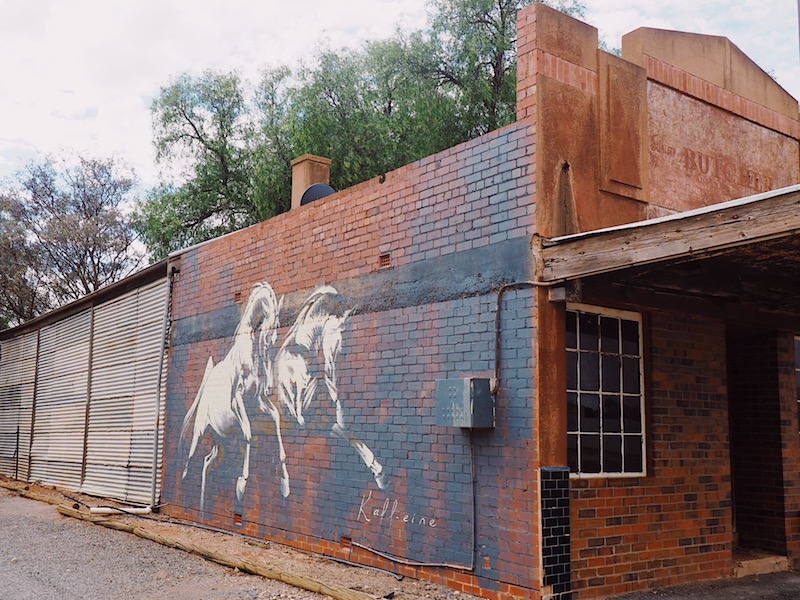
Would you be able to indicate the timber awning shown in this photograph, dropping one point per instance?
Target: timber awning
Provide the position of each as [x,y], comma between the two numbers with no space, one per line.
[741,256]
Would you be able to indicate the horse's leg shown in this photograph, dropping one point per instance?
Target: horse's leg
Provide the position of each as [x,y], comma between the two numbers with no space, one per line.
[333,391]
[193,415]
[192,449]
[275,413]
[212,456]
[340,430]
[363,450]
[365,453]
[244,423]
[307,389]
[241,482]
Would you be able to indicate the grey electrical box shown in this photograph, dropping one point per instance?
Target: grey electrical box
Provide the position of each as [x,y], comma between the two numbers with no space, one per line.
[464,402]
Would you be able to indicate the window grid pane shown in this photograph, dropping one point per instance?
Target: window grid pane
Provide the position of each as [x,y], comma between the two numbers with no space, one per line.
[605,425]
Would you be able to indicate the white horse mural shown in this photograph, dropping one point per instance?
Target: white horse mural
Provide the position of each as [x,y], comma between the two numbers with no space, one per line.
[233,384]
[308,354]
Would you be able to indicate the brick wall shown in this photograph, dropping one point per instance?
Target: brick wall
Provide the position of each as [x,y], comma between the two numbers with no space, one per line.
[699,158]
[419,255]
[456,227]
[787,376]
[764,441]
[675,524]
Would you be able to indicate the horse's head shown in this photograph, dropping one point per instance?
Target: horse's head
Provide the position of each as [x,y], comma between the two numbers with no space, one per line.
[331,343]
[262,306]
[261,321]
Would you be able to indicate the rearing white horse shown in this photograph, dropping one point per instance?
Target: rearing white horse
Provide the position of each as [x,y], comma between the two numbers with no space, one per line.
[307,355]
[234,383]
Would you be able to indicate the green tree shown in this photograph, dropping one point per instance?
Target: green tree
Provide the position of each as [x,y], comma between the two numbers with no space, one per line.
[420,119]
[363,108]
[202,132]
[226,157]
[470,50]
[65,233]
[21,299]
[337,117]
[274,146]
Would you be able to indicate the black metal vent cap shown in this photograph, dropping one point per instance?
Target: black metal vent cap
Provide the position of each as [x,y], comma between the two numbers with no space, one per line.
[315,192]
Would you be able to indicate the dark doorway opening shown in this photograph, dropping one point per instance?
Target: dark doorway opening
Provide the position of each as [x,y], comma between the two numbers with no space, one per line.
[755,400]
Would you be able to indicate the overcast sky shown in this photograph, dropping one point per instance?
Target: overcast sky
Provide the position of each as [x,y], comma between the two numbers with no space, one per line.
[79,75]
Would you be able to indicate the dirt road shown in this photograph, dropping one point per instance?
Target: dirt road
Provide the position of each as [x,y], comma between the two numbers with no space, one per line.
[45,556]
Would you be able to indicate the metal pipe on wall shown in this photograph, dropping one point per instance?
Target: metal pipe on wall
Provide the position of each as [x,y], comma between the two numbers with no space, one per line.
[164,331]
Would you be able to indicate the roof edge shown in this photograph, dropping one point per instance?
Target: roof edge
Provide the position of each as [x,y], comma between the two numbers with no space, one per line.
[138,279]
[695,233]
[711,208]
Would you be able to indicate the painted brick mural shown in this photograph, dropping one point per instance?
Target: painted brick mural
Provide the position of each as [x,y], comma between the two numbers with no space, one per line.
[304,395]
[305,355]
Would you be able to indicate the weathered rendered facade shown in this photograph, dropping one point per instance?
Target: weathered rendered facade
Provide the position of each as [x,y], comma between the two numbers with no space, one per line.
[582,273]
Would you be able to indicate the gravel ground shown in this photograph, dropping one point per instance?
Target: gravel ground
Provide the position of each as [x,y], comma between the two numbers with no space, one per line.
[45,555]
[774,586]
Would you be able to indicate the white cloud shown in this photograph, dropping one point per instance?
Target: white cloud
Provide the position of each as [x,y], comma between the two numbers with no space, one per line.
[80,74]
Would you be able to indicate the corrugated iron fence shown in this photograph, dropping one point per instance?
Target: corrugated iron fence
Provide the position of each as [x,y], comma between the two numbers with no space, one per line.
[79,397]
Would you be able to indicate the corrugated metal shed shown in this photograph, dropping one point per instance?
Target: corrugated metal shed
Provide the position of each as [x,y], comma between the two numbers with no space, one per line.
[61,395]
[79,392]
[17,383]
[122,408]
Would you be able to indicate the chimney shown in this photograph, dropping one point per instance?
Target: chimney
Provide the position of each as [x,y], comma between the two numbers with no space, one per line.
[306,171]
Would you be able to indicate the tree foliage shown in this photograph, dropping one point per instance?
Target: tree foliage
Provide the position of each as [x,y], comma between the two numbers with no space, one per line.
[225,154]
[369,112]
[63,234]
[470,48]
[201,130]
[21,298]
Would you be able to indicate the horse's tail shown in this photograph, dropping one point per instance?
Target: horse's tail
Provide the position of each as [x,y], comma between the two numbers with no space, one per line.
[191,414]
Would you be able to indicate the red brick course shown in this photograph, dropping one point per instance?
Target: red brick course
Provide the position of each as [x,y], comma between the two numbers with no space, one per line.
[674,525]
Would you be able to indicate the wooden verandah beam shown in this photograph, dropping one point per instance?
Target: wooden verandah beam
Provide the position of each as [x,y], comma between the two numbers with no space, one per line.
[702,232]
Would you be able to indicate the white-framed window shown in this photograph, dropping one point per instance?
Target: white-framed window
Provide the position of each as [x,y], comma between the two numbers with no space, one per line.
[605,392]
